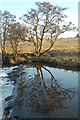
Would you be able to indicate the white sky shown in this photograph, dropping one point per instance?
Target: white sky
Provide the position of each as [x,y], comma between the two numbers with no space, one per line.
[19,7]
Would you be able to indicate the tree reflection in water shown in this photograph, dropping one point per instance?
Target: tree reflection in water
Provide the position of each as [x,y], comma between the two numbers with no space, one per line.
[34,93]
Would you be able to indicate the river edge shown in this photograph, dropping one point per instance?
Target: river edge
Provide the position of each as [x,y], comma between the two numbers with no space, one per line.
[67,64]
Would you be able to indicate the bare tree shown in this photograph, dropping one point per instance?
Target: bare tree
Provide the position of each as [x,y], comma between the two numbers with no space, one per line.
[6,19]
[46,20]
[16,33]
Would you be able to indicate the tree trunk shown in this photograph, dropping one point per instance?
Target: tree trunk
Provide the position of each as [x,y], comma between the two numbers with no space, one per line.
[48,48]
[3,47]
[41,41]
[3,44]
[15,50]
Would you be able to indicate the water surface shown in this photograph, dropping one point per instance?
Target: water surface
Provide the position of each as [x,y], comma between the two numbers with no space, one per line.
[34,91]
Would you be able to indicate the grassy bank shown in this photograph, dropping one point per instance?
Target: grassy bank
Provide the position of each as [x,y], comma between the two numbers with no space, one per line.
[63,54]
[61,59]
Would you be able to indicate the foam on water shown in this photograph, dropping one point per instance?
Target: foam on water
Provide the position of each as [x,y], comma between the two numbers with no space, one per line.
[5,85]
[4,74]
[7,69]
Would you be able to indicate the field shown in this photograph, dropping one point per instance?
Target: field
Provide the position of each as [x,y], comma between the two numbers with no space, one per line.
[65,52]
[67,44]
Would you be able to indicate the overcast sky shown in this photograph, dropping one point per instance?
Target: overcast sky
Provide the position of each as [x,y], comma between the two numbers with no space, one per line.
[19,7]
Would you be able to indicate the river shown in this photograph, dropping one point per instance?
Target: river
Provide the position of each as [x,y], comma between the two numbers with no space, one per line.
[37,91]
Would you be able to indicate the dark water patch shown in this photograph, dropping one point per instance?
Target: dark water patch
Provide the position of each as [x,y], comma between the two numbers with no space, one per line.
[8,98]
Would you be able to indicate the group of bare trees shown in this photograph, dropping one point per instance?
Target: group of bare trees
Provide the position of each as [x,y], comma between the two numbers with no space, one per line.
[11,31]
[6,20]
[45,20]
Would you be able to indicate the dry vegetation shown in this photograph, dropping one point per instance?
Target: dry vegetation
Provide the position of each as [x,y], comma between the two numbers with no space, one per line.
[64,53]
[68,45]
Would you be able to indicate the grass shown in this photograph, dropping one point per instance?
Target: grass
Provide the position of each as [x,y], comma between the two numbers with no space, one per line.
[64,52]
[67,45]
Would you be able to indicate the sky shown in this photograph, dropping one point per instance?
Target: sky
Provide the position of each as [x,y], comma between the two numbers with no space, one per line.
[20,7]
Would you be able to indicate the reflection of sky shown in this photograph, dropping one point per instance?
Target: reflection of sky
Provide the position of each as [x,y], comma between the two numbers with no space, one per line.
[19,7]
[67,79]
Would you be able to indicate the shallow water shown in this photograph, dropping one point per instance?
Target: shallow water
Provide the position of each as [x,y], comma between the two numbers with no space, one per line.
[33,91]
[6,86]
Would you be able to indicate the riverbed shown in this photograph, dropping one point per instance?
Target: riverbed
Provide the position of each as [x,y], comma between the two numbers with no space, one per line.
[37,91]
